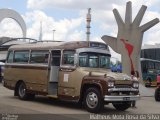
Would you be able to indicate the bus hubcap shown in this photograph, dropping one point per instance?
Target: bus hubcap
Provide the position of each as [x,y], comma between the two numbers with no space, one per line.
[22,90]
[92,100]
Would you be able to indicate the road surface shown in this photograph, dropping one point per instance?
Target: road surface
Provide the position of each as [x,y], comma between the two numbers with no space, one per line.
[42,108]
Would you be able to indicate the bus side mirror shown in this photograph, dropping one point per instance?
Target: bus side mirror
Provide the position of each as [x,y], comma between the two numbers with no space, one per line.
[75,59]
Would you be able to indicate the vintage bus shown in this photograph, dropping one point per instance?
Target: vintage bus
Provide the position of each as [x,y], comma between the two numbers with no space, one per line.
[150,70]
[150,64]
[69,71]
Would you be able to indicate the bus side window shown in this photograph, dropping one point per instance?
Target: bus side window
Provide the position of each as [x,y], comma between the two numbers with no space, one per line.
[39,57]
[10,57]
[21,56]
[68,57]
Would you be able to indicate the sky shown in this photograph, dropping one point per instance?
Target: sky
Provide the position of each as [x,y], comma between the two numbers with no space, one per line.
[68,18]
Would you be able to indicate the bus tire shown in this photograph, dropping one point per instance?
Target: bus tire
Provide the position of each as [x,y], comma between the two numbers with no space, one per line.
[122,106]
[30,96]
[157,94]
[22,91]
[93,100]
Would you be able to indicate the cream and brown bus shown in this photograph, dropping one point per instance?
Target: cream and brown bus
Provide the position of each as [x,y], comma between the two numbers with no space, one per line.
[68,71]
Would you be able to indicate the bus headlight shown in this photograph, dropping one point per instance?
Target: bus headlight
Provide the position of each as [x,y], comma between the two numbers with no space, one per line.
[135,84]
[110,84]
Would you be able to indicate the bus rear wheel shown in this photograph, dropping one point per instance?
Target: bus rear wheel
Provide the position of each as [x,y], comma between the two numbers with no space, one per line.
[157,94]
[122,106]
[22,94]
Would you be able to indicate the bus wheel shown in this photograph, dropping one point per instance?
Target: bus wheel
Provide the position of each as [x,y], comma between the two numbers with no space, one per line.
[22,91]
[157,94]
[122,106]
[93,101]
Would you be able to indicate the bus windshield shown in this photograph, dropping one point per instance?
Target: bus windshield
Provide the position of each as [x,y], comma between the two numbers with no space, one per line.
[150,66]
[94,60]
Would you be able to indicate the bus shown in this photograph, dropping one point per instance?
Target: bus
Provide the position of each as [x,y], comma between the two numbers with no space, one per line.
[150,64]
[150,70]
[1,71]
[69,71]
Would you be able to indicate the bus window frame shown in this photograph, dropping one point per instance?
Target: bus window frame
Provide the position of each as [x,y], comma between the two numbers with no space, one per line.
[49,54]
[21,51]
[88,57]
[62,57]
[8,56]
[50,57]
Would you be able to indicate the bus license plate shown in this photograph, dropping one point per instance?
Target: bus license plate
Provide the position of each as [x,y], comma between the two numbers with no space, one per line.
[126,98]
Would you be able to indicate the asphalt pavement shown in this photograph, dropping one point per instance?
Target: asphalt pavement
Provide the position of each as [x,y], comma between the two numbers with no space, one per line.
[42,108]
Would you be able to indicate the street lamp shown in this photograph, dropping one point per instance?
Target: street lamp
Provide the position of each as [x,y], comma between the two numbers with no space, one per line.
[53,34]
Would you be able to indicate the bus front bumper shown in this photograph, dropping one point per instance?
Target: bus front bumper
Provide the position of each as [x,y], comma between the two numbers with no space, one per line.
[109,98]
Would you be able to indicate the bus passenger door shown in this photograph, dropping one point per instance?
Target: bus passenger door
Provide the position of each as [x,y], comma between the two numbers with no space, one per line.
[67,76]
[54,72]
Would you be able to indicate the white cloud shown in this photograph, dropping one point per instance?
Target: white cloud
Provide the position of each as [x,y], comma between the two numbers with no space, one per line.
[76,35]
[102,14]
[152,35]
[72,4]
[65,28]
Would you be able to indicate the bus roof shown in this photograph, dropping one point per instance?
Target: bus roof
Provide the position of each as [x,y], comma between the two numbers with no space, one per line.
[59,45]
[146,59]
[147,46]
